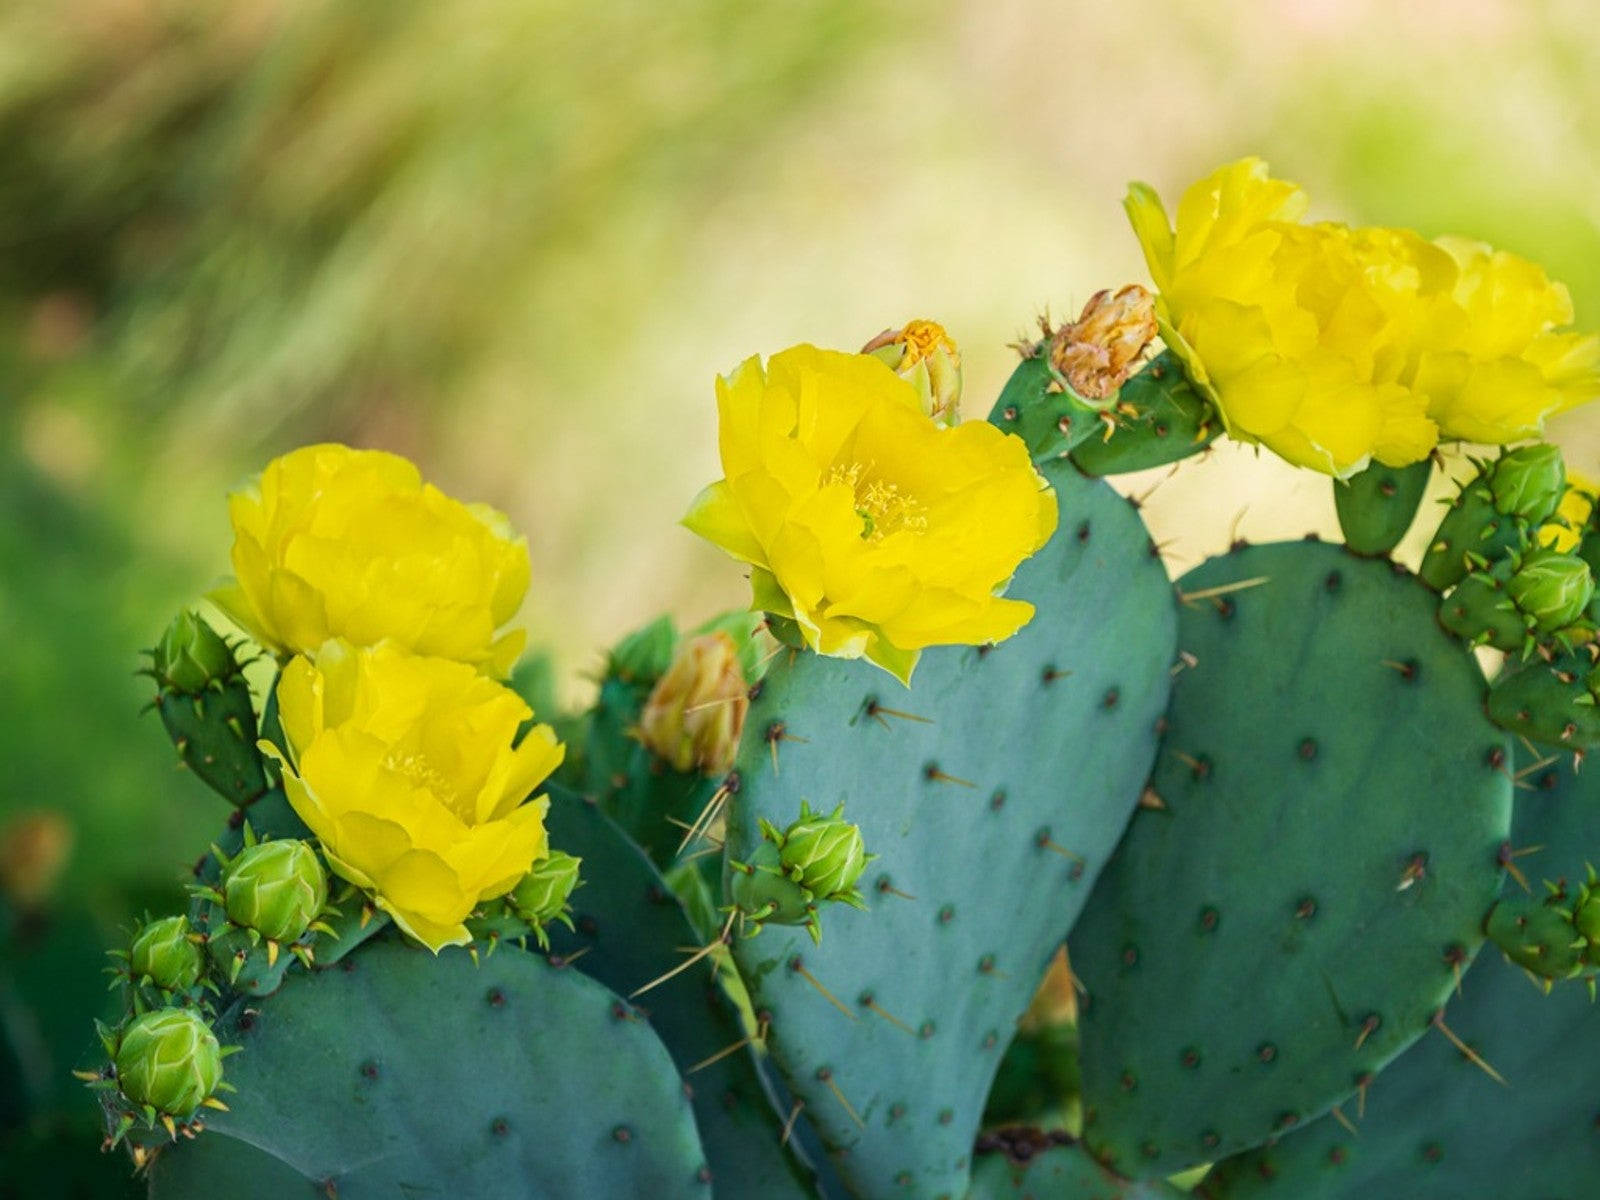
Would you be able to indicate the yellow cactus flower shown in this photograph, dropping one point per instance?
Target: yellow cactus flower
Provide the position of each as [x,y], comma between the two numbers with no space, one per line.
[331,542]
[1334,346]
[873,527]
[404,769]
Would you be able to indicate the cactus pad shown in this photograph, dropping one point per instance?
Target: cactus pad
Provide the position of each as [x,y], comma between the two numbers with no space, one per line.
[986,854]
[1334,806]
[1435,1126]
[398,1073]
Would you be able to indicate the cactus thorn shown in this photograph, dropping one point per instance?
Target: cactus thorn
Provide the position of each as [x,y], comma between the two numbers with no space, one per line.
[707,816]
[1186,662]
[869,1002]
[1467,1051]
[799,968]
[1151,799]
[934,775]
[826,1076]
[699,953]
[878,711]
[1338,1115]
[760,1035]
[1211,593]
[788,1124]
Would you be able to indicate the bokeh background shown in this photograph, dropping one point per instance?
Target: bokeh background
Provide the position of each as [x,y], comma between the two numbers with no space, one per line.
[517,240]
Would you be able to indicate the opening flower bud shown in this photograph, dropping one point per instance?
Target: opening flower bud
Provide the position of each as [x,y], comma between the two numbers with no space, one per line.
[542,895]
[925,356]
[1528,482]
[1095,354]
[1552,588]
[276,888]
[170,1060]
[695,713]
[163,953]
[191,655]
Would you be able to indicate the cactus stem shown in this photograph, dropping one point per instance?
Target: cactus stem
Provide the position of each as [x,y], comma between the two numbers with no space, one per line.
[720,940]
[1467,1051]
[1188,598]
[799,968]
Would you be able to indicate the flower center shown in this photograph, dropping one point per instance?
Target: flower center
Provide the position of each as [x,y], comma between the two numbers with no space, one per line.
[420,772]
[882,507]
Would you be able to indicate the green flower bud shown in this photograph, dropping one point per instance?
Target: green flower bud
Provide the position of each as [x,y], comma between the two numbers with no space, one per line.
[763,893]
[191,655]
[542,895]
[1528,483]
[170,1060]
[825,855]
[163,953]
[1552,588]
[276,888]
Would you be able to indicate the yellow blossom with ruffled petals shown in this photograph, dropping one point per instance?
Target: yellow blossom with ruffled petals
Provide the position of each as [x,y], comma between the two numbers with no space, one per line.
[404,768]
[331,542]
[1334,346]
[877,530]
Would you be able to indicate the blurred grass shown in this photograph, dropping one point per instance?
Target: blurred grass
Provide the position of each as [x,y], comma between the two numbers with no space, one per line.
[516,241]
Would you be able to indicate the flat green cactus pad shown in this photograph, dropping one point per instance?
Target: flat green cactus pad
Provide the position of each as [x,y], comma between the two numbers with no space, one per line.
[396,1073]
[1335,801]
[992,791]
[1437,1127]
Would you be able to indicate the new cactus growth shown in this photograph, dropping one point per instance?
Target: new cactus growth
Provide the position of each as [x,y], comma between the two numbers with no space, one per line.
[166,1065]
[205,705]
[817,859]
[1495,513]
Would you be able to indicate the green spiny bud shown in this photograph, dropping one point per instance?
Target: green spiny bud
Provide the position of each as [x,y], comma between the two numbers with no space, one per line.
[276,888]
[644,655]
[825,855]
[1528,483]
[1552,588]
[542,895]
[164,953]
[1535,936]
[169,1059]
[191,655]
[762,892]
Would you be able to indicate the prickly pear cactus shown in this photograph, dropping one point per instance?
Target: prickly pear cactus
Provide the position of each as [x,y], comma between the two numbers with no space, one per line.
[1504,1104]
[889,1031]
[400,1073]
[1299,905]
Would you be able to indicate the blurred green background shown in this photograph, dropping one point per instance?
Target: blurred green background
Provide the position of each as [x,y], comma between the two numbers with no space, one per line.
[516,241]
